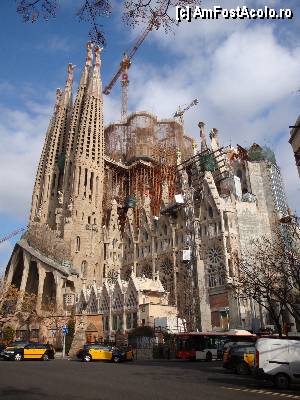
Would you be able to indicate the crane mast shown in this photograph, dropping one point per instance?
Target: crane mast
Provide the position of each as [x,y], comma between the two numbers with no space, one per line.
[123,72]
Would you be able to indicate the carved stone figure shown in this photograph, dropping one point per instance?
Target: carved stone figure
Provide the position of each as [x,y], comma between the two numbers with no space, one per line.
[89,56]
[60,197]
[97,55]
[58,98]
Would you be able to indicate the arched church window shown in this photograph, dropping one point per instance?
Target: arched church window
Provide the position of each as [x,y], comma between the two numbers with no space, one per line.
[225,217]
[216,268]
[77,243]
[210,212]
[239,174]
[84,269]
[165,230]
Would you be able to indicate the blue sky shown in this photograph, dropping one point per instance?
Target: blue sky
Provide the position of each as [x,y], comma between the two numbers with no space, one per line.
[244,74]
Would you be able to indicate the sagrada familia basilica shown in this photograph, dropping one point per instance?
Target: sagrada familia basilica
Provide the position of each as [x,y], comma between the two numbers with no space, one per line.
[132,224]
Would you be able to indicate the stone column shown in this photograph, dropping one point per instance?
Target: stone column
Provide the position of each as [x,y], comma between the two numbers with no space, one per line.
[59,292]
[234,310]
[12,267]
[124,314]
[26,261]
[109,317]
[135,245]
[175,268]
[42,275]
[153,254]
[205,311]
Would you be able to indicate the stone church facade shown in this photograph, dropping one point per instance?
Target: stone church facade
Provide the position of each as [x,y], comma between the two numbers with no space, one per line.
[132,222]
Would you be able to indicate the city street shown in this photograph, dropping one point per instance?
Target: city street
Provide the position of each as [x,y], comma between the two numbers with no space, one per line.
[140,380]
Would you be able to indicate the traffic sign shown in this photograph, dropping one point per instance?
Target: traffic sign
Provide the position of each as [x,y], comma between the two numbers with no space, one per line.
[65,330]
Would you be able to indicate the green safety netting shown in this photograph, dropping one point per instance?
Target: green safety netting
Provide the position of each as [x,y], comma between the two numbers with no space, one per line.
[208,162]
[130,201]
[257,153]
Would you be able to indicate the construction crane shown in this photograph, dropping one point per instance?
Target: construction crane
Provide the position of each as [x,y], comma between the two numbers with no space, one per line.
[12,234]
[123,70]
[179,113]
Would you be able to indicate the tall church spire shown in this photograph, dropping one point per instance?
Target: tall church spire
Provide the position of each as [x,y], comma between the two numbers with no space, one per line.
[67,95]
[95,84]
[83,183]
[51,167]
[88,64]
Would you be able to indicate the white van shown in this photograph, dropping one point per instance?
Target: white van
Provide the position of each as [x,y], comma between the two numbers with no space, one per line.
[278,359]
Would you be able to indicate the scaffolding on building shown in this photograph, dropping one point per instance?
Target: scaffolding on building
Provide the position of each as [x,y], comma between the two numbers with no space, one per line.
[142,157]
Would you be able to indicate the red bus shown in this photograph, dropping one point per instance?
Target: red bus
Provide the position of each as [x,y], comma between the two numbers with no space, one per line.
[208,345]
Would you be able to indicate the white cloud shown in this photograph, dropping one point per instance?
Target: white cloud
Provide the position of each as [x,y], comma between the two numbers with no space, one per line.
[21,136]
[251,71]
[55,43]
[244,77]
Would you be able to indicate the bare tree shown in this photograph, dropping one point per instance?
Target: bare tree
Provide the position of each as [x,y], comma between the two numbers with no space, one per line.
[21,307]
[269,274]
[187,296]
[8,301]
[160,13]
[288,247]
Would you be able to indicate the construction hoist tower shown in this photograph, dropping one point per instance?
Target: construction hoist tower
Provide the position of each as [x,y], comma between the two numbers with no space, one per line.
[125,64]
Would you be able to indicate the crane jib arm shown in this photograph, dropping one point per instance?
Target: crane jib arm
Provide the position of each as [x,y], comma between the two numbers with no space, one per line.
[132,52]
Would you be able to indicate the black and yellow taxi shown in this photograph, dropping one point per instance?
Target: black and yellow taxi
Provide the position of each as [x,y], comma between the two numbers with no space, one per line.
[30,351]
[240,358]
[95,352]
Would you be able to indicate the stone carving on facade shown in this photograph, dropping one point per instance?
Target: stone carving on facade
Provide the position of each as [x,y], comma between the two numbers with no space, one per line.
[89,56]
[58,98]
[60,197]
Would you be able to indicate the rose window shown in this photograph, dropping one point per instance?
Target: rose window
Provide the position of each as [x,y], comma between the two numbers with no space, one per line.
[214,255]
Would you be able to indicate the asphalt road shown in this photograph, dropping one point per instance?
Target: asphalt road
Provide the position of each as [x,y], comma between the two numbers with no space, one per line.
[148,380]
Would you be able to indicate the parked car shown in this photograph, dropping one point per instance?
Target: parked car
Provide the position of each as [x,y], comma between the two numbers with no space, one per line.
[240,358]
[278,359]
[31,351]
[91,352]
[17,344]
[228,345]
[2,347]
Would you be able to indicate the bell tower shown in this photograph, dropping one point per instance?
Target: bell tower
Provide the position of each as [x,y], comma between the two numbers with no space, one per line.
[81,222]
[49,178]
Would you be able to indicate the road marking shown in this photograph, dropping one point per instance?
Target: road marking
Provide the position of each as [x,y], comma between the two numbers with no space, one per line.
[290,396]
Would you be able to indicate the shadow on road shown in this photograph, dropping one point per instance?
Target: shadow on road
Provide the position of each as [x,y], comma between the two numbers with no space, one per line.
[30,393]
